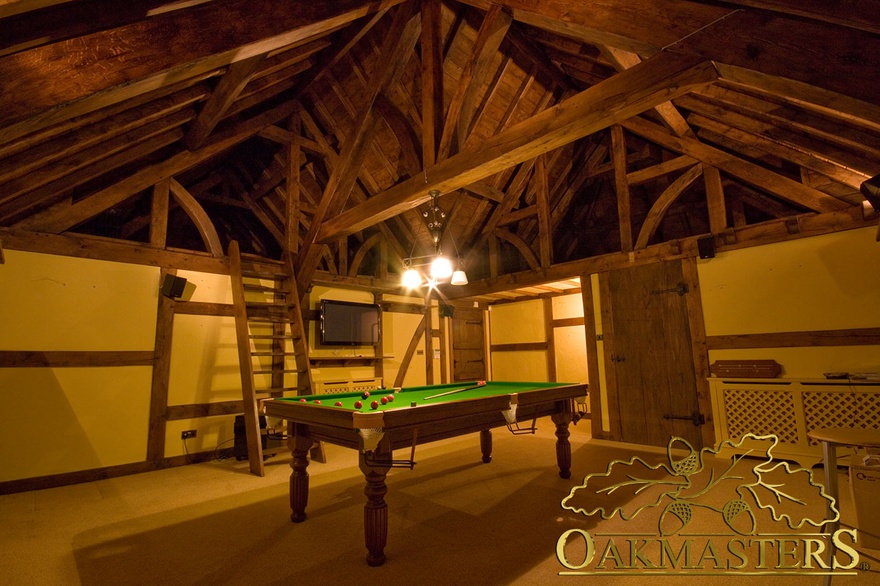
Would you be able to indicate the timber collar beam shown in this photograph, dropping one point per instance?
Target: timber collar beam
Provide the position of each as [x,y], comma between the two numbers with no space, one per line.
[659,79]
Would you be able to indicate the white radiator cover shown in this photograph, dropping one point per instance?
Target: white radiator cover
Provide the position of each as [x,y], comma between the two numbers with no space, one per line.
[789,408]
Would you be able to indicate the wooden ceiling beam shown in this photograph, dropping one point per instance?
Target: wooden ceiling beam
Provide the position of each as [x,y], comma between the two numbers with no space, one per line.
[796,153]
[621,187]
[432,81]
[92,157]
[101,131]
[824,54]
[628,93]
[859,14]
[399,45]
[55,82]
[461,108]
[30,23]
[57,220]
[59,190]
[621,60]
[779,186]
[227,91]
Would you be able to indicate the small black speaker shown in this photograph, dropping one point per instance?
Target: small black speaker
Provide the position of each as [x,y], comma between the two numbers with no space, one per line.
[706,246]
[173,286]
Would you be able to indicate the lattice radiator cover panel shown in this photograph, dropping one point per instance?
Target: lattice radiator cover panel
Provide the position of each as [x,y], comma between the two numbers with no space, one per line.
[789,409]
[348,386]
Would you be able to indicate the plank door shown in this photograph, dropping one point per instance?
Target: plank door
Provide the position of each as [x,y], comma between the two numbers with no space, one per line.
[648,355]
[468,347]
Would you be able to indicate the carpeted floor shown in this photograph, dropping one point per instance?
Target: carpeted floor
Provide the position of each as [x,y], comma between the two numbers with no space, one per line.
[452,520]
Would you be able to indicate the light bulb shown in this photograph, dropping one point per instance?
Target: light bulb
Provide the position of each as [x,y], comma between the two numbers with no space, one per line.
[411,279]
[441,268]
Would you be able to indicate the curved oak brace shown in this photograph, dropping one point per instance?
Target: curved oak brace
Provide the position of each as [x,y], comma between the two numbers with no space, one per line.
[362,251]
[199,217]
[666,199]
[521,246]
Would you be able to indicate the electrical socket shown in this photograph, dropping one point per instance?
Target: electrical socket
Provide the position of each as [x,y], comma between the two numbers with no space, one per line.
[187,434]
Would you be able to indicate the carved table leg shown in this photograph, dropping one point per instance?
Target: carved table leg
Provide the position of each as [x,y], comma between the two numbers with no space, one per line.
[486,445]
[375,509]
[563,447]
[299,478]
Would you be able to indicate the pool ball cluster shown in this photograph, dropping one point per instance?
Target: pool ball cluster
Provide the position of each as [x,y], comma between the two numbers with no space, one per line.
[374,404]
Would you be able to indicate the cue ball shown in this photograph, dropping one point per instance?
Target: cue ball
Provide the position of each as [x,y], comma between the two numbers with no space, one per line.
[365,394]
[384,400]
[374,405]
[358,404]
[338,403]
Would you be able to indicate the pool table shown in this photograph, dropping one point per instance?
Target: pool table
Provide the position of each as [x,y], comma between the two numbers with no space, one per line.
[410,416]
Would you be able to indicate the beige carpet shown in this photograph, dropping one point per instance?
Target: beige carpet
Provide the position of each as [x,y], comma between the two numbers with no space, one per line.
[452,520]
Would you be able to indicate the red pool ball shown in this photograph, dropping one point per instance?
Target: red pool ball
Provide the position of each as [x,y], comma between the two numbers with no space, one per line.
[374,405]
[338,404]
[302,400]
[384,400]
[365,394]
[317,401]
[358,404]
[390,398]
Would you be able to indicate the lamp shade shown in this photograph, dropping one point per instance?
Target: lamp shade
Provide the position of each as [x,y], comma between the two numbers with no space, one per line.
[459,278]
[411,279]
[441,268]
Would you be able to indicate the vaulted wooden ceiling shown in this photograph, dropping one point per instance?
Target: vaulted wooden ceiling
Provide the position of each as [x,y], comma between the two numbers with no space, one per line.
[563,136]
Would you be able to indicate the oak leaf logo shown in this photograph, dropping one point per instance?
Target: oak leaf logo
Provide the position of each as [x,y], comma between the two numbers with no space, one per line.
[688,483]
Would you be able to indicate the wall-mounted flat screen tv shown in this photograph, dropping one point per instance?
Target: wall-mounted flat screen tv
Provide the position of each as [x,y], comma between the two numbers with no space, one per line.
[344,323]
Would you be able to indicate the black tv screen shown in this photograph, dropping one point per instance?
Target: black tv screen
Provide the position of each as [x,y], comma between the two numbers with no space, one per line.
[344,323]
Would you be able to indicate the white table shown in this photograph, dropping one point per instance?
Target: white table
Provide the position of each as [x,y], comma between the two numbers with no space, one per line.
[831,437]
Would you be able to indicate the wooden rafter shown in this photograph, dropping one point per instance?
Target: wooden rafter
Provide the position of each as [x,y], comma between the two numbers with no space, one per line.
[35,97]
[618,98]
[778,185]
[780,46]
[231,84]
[461,109]
[401,41]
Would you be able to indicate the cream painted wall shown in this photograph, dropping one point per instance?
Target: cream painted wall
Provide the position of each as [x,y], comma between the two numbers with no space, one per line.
[821,283]
[83,418]
[523,322]
[517,323]
[95,417]
[57,420]
[570,341]
[57,303]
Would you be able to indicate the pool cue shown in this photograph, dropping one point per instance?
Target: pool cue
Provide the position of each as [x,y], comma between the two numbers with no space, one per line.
[481,384]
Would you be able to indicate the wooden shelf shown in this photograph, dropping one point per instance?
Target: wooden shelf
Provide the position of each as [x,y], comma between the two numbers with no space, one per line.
[346,360]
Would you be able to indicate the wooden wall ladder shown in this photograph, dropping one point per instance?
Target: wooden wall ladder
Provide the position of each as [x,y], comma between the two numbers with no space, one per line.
[270,331]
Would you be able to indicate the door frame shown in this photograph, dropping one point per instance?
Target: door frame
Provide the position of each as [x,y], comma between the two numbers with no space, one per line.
[604,398]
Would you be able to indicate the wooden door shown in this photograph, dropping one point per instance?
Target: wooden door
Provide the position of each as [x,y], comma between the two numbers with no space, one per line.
[648,355]
[468,347]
